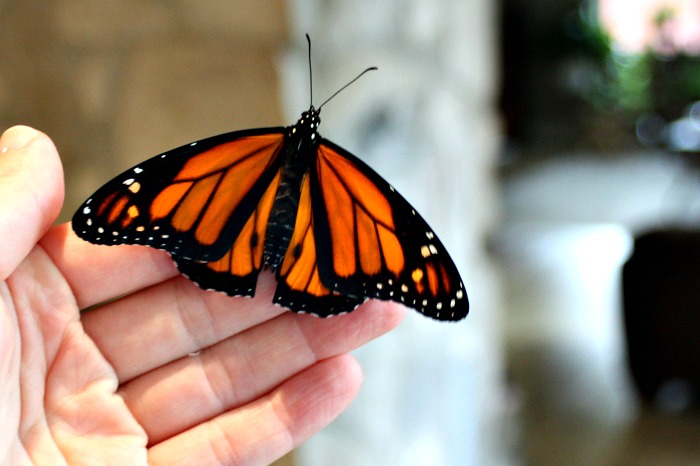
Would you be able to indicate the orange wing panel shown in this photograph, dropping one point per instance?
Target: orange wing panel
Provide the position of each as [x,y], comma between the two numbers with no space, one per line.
[245,257]
[220,158]
[299,267]
[360,218]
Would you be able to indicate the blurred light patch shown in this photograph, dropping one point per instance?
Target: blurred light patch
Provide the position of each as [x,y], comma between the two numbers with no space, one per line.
[665,26]
[563,294]
[694,114]
[571,271]
[684,135]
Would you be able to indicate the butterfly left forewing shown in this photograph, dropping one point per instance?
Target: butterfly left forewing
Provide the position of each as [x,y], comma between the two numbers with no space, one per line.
[191,201]
[372,243]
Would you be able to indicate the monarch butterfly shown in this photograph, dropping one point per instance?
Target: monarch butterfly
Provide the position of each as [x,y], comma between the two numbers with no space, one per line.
[287,200]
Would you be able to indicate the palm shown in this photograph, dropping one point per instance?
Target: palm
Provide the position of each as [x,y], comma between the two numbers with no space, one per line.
[163,372]
[66,389]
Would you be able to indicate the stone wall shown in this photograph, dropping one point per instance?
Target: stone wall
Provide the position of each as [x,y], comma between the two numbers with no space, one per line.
[426,120]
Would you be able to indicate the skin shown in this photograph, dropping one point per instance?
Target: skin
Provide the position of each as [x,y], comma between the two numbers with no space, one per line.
[163,373]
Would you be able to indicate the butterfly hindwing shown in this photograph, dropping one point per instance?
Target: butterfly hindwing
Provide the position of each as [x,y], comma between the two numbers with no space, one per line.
[237,271]
[298,283]
[372,243]
[192,201]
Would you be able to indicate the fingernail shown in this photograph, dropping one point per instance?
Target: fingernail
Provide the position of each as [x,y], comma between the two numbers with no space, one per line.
[17,137]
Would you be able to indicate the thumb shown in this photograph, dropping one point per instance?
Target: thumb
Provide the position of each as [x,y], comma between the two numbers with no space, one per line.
[31,192]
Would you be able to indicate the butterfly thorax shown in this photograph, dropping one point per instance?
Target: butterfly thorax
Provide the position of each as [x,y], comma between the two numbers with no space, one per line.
[301,142]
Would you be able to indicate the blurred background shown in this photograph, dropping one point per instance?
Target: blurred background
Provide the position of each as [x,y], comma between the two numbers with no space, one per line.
[551,144]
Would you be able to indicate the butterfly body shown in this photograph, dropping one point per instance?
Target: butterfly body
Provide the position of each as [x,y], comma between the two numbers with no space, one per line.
[301,140]
[285,199]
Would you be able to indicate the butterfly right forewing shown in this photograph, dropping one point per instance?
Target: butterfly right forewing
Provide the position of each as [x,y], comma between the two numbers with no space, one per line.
[372,243]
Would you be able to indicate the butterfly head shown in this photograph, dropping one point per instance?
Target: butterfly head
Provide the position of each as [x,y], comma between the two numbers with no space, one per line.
[307,125]
[310,119]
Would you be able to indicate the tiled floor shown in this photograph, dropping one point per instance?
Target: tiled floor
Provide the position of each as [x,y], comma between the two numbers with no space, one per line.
[569,227]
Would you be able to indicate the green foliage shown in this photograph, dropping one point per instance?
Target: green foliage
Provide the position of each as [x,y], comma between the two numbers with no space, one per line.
[632,84]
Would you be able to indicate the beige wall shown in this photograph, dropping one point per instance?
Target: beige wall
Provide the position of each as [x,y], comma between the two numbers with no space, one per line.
[116,81]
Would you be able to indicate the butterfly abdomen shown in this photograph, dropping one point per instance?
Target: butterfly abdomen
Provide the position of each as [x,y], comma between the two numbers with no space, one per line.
[280,225]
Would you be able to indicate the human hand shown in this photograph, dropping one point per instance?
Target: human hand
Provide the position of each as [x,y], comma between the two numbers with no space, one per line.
[163,373]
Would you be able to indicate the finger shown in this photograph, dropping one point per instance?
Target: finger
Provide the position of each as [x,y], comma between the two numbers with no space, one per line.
[191,390]
[153,327]
[267,428]
[31,192]
[99,273]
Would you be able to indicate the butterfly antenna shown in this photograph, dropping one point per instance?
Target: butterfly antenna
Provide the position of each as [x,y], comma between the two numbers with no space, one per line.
[311,76]
[371,68]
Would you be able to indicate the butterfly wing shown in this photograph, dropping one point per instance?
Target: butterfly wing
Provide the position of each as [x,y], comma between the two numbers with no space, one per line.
[370,242]
[192,201]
